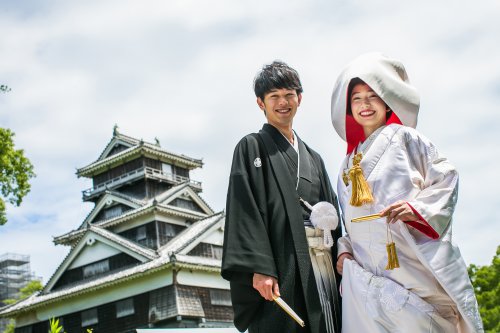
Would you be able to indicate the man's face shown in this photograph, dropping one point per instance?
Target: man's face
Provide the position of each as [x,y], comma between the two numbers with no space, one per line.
[280,106]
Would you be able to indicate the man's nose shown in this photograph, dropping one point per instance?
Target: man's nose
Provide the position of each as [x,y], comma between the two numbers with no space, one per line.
[282,100]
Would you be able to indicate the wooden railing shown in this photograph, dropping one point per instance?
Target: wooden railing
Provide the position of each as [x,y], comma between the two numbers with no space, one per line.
[159,174]
[147,172]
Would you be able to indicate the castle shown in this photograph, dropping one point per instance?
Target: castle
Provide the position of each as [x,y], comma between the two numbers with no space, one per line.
[147,255]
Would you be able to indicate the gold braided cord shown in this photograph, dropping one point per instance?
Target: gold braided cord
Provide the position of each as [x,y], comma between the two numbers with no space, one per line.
[361,193]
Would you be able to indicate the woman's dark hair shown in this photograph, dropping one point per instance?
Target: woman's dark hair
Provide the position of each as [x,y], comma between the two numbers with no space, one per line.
[277,75]
[353,82]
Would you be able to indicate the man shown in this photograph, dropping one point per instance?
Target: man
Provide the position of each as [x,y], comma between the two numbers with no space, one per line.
[266,249]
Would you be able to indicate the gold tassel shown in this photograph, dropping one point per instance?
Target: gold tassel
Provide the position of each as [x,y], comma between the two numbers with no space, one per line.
[392,256]
[395,259]
[388,247]
[361,193]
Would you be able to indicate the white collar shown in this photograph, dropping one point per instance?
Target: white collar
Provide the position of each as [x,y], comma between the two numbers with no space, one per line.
[295,144]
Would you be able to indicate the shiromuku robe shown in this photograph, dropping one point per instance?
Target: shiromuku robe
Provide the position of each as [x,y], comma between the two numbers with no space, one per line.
[400,164]
[264,231]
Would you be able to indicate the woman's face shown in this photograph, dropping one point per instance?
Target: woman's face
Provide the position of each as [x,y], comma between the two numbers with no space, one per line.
[369,110]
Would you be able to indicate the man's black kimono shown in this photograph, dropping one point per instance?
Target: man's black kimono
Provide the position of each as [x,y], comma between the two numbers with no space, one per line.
[264,232]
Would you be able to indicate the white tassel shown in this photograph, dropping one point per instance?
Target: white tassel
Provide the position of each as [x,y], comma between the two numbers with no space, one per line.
[324,216]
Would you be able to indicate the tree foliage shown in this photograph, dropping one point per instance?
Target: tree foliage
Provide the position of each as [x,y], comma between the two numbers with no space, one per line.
[55,327]
[15,172]
[486,282]
[11,326]
[25,292]
[4,88]
[31,287]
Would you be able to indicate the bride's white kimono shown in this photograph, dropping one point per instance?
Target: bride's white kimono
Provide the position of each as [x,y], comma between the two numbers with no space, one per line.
[432,285]
[431,291]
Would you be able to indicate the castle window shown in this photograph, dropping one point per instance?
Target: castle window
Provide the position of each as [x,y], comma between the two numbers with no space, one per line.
[187,204]
[112,211]
[125,308]
[166,168]
[207,251]
[220,297]
[141,233]
[89,317]
[217,252]
[170,230]
[96,268]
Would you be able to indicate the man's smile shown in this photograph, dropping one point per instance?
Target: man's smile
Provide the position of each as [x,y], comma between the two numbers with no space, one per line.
[283,111]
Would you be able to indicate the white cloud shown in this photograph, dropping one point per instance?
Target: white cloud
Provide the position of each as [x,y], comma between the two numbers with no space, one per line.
[182,71]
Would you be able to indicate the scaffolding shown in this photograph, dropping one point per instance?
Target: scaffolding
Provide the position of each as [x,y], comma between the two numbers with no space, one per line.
[15,273]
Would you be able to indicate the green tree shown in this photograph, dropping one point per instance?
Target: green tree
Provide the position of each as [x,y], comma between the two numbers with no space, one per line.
[25,292]
[10,327]
[486,282]
[4,88]
[15,172]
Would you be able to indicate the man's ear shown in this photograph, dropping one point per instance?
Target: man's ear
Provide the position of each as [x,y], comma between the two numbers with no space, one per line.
[260,103]
[299,97]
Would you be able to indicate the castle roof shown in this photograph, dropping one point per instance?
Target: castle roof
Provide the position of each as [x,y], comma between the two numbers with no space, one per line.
[165,258]
[131,149]
[161,204]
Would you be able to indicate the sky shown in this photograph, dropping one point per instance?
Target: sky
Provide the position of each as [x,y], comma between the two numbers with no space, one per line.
[182,71]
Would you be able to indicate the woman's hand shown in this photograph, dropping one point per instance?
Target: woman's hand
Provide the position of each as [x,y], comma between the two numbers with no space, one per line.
[266,286]
[400,210]
[340,261]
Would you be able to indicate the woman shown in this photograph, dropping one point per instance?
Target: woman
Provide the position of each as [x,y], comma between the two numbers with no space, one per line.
[401,272]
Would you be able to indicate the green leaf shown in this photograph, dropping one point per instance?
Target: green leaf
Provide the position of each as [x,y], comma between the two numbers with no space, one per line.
[16,171]
[54,326]
[486,283]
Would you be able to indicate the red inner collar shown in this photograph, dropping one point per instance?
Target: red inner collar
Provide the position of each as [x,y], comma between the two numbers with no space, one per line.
[354,131]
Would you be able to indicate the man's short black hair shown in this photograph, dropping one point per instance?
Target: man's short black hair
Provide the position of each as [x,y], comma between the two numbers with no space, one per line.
[277,75]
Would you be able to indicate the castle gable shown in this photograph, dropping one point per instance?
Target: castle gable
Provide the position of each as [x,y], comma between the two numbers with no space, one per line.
[178,253]
[111,205]
[98,253]
[206,229]
[184,197]
[118,143]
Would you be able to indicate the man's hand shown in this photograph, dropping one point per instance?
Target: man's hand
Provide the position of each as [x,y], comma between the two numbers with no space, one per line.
[399,210]
[340,261]
[266,285]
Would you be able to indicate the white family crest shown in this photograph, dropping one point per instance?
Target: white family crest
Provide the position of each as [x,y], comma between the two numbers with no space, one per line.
[257,162]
